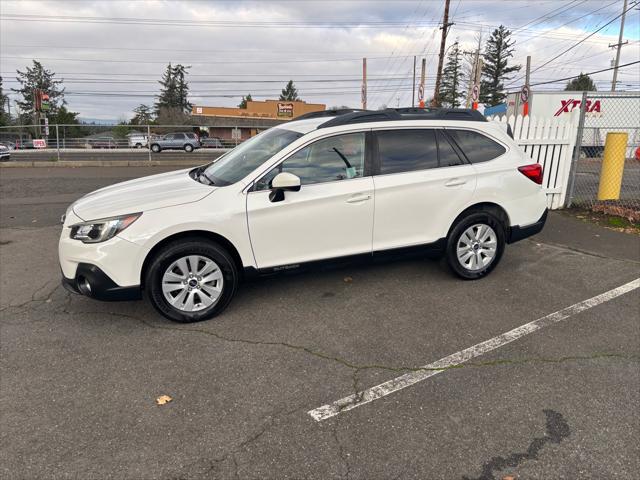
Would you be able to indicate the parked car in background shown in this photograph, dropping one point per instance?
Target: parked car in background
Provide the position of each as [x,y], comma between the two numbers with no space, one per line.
[442,181]
[176,141]
[9,145]
[101,142]
[211,142]
[5,154]
[137,140]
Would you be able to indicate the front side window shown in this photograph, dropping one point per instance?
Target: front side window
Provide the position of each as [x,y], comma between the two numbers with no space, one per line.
[476,146]
[249,155]
[407,150]
[335,158]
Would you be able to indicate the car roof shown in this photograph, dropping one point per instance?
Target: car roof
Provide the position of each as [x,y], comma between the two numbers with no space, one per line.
[326,119]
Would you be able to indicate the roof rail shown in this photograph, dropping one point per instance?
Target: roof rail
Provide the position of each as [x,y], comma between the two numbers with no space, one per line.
[394,114]
[326,113]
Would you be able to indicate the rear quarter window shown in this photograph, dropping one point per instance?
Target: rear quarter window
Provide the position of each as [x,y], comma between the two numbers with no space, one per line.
[477,147]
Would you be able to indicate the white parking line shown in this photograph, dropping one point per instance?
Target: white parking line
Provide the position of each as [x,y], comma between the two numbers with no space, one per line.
[369,395]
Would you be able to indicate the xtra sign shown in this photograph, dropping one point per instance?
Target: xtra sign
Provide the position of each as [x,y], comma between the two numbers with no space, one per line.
[571,104]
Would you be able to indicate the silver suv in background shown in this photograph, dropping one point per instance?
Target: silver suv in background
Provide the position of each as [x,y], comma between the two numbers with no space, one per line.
[176,141]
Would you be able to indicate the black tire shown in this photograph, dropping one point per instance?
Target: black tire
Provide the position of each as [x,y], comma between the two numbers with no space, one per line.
[156,148]
[188,148]
[453,240]
[180,248]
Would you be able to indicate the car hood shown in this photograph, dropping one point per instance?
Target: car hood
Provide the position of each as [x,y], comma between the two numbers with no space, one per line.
[141,194]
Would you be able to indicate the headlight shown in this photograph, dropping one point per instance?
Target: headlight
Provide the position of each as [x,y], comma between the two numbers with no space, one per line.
[101,230]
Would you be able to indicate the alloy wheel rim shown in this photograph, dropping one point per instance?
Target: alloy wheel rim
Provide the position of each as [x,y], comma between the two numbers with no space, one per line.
[477,246]
[192,283]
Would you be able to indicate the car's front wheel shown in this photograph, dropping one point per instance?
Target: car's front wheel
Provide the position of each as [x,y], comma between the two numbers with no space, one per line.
[191,280]
[155,148]
[188,148]
[475,245]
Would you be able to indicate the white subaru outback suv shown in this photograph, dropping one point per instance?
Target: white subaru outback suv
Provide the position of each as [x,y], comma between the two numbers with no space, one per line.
[328,186]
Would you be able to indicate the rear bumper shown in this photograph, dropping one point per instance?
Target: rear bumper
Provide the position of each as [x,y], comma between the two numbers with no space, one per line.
[94,283]
[519,233]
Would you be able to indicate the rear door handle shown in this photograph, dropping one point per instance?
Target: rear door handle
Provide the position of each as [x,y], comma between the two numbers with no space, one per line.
[454,182]
[359,198]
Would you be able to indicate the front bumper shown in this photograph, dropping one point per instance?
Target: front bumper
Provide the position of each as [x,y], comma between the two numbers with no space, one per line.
[519,233]
[93,282]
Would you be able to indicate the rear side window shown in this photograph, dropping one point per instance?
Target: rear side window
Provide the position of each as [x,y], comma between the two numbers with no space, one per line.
[477,147]
[448,156]
[406,150]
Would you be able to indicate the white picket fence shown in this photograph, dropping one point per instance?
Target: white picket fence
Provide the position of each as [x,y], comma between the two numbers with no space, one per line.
[549,142]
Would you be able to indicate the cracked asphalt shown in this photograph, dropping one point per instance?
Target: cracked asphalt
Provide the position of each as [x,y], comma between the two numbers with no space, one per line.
[79,378]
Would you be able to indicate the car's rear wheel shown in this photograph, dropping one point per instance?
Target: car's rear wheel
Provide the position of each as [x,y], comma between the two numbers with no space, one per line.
[155,148]
[188,148]
[475,245]
[191,280]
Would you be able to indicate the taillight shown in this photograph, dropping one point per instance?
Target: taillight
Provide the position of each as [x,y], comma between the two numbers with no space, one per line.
[532,172]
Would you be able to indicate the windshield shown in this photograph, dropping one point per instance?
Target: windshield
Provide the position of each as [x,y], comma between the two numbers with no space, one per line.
[249,155]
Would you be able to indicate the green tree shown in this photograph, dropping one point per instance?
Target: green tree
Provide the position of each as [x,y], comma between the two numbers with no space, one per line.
[69,125]
[581,83]
[4,115]
[451,93]
[182,88]
[174,90]
[290,93]
[38,77]
[495,70]
[243,102]
[143,115]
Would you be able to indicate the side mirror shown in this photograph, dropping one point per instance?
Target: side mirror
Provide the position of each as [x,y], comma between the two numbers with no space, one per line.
[283,182]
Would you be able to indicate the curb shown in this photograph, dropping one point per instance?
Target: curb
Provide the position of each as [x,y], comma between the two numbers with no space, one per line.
[103,163]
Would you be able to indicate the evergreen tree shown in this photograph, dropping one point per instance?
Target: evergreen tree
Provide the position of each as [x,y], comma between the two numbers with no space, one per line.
[174,90]
[495,70]
[581,83]
[290,93]
[142,115]
[182,88]
[243,102]
[38,77]
[451,93]
[4,115]
[69,120]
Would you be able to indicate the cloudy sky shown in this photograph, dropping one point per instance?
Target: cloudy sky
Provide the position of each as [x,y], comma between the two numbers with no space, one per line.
[111,53]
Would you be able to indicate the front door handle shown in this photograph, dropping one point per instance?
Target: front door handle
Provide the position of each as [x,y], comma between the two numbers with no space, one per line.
[454,182]
[359,198]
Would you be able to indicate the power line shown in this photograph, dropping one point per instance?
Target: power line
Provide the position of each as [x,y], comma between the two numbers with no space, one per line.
[581,41]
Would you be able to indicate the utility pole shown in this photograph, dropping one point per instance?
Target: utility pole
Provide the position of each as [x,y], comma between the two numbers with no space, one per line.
[364,83]
[525,106]
[413,93]
[421,87]
[619,46]
[474,71]
[443,41]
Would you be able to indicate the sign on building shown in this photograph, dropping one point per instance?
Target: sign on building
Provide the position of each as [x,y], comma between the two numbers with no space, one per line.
[285,109]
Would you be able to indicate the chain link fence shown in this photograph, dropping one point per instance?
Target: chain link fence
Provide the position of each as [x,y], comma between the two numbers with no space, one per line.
[194,143]
[606,163]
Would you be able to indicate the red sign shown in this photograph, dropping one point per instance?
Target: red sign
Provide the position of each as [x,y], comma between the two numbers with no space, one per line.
[570,105]
[39,143]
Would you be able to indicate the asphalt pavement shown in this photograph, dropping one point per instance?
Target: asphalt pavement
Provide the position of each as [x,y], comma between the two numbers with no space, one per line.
[79,379]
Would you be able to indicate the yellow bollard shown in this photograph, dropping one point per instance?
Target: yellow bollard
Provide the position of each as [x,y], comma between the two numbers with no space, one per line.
[615,148]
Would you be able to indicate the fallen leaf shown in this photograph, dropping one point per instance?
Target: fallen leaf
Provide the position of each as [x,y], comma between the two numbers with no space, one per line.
[348,279]
[162,399]
[509,477]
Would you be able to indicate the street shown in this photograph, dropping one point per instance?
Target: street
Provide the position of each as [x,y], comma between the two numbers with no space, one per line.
[80,378]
